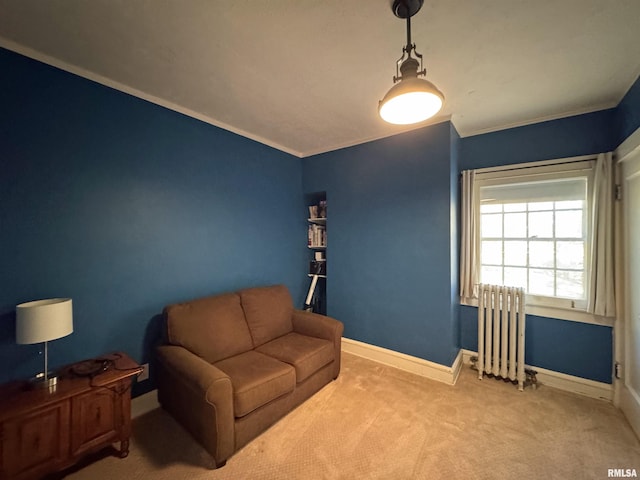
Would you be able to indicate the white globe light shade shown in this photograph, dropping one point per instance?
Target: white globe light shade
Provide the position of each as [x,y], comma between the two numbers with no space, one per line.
[411,100]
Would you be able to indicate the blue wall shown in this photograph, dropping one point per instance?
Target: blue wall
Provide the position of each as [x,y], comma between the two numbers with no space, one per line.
[566,137]
[389,240]
[125,207]
[403,189]
[574,348]
[627,118]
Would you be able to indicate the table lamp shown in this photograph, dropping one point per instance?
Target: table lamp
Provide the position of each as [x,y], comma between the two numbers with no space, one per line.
[40,322]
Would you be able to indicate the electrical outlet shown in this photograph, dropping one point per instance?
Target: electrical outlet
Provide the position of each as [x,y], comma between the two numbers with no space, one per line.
[145,373]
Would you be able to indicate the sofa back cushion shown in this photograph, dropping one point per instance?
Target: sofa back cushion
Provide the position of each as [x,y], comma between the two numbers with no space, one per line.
[214,328]
[268,311]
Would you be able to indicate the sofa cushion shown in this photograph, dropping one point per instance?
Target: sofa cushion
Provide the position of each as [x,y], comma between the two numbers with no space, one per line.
[268,312]
[257,379]
[306,354]
[213,328]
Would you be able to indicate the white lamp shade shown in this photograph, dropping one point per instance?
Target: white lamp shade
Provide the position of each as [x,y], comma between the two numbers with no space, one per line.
[412,100]
[43,320]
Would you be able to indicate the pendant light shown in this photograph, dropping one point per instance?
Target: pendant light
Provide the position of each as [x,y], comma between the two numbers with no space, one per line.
[411,99]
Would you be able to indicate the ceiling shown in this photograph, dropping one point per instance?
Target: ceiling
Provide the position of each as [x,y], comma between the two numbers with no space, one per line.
[305,76]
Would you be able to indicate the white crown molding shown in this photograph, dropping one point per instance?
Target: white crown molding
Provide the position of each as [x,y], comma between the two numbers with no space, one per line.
[89,75]
[634,78]
[562,381]
[108,82]
[408,363]
[435,121]
[545,118]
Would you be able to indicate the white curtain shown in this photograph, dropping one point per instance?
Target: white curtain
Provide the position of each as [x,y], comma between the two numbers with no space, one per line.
[469,240]
[602,297]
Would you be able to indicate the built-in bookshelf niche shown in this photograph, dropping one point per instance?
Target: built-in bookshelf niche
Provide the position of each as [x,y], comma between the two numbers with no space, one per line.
[317,242]
[317,226]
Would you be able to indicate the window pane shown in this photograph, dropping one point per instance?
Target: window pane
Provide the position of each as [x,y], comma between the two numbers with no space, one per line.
[541,282]
[569,224]
[534,206]
[490,208]
[541,225]
[491,275]
[491,252]
[534,231]
[515,253]
[570,284]
[570,255]
[570,205]
[515,225]
[515,207]
[515,277]
[541,254]
[491,225]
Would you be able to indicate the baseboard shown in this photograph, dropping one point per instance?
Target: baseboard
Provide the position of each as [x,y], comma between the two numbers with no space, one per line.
[562,381]
[149,401]
[408,363]
[630,406]
[144,403]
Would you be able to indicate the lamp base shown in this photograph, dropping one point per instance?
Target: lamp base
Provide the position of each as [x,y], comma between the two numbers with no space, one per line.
[39,381]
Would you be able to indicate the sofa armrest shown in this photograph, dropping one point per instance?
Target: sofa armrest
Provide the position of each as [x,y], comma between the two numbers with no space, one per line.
[200,397]
[320,326]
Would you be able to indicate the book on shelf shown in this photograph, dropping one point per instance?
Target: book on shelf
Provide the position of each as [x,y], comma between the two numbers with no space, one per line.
[317,235]
[322,209]
[318,211]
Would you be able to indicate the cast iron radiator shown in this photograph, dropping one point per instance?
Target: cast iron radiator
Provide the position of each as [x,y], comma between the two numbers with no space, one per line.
[501,328]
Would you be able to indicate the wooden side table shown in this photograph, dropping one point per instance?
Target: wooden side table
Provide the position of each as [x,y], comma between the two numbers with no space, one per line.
[43,431]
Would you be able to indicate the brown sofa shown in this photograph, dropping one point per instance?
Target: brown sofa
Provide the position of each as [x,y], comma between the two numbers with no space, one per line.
[235,363]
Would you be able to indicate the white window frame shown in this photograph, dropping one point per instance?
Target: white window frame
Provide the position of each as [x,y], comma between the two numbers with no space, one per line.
[553,307]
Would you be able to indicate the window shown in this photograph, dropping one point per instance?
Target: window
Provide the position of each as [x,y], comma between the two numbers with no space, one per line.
[534,232]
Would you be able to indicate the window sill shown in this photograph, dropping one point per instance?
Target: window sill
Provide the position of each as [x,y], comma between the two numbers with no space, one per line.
[572,315]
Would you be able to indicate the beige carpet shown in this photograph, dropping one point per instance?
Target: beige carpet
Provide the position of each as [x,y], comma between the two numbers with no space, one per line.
[376,422]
